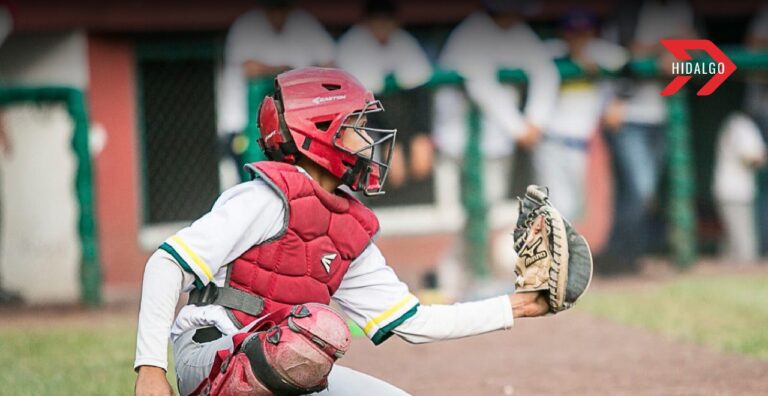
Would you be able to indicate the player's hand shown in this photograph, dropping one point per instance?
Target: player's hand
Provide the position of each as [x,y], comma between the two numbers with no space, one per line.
[152,382]
[252,68]
[529,304]
[422,156]
[613,116]
[530,136]
[397,169]
[5,143]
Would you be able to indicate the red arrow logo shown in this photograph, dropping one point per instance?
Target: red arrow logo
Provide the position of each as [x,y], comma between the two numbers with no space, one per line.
[680,48]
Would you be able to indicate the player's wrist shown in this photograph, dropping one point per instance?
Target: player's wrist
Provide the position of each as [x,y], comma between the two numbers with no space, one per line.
[150,370]
[152,381]
[519,305]
[528,304]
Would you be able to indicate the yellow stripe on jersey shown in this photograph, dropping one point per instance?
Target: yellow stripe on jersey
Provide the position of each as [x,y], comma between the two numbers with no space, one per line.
[388,313]
[576,85]
[195,258]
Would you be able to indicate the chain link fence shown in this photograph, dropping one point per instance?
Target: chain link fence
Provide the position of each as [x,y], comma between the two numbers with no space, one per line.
[177,124]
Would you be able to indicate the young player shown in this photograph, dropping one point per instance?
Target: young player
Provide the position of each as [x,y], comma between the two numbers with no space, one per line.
[264,263]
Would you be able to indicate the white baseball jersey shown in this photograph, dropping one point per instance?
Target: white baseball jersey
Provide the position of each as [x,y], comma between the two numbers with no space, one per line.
[738,144]
[302,42]
[252,212]
[370,61]
[657,20]
[580,102]
[477,49]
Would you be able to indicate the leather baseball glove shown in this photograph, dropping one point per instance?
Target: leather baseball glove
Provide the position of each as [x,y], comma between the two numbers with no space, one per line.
[552,256]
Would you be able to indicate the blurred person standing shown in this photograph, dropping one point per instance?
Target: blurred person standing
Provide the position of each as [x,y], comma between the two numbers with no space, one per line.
[483,43]
[636,122]
[740,152]
[756,104]
[260,44]
[6,26]
[560,159]
[378,48]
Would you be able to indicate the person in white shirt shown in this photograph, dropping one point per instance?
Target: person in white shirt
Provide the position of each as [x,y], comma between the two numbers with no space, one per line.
[292,236]
[560,159]
[377,48]
[756,105]
[482,44]
[6,26]
[741,152]
[637,132]
[261,43]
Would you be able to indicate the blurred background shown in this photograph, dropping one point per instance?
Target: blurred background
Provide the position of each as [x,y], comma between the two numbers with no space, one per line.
[121,122]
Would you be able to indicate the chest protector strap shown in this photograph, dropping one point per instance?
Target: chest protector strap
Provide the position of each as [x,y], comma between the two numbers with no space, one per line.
[227,297]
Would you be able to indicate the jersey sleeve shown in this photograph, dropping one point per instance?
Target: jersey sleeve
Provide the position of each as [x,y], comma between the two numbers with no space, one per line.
[746,139]
[247,214]
[543,78]
[373,297]
[411,65]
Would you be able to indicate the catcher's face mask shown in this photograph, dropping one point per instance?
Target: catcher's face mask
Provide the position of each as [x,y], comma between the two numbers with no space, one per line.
[372,148]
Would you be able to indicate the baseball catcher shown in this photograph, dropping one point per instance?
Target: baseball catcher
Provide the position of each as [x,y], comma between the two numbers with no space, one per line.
[262,267]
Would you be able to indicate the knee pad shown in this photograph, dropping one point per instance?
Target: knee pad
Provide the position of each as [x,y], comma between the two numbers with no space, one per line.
[294,357]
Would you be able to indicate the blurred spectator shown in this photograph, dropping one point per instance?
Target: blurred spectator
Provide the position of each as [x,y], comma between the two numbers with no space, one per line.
[757,106]
[377,48]
[478,47]
[6,26]
[636,125]
[262,43]
[560,159]
[740,151]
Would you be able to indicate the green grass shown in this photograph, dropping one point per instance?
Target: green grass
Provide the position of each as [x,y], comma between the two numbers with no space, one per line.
[74,360]
[728,312]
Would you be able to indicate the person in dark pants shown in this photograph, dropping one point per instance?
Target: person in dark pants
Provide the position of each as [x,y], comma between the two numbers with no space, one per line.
[636,134]
[756,103]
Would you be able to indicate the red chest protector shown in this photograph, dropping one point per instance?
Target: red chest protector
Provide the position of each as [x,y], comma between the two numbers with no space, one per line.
[323,233]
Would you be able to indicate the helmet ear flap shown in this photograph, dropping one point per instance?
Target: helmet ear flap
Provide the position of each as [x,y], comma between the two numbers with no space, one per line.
[276,140]
[284,131]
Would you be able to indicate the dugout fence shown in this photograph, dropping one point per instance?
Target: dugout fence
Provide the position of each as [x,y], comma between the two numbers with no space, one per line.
[680,200]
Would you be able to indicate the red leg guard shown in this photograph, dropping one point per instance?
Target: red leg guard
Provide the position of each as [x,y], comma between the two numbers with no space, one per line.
[293,357]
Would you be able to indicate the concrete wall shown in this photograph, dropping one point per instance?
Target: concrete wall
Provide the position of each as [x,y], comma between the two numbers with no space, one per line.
[39,242]
[112,98]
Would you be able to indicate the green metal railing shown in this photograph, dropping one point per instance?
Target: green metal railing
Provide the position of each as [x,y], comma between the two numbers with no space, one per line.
[74,100]
[681,198]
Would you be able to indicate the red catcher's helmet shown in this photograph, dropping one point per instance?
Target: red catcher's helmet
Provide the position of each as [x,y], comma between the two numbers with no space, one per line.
[308,114]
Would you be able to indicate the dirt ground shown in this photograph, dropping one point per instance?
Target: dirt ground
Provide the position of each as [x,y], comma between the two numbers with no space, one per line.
[568,354]
[572,353]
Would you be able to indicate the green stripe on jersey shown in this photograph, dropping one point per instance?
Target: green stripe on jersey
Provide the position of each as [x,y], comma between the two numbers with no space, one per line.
[170,250]
[385,332]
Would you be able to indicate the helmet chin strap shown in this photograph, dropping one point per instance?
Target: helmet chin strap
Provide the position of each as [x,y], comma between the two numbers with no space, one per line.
[356,175]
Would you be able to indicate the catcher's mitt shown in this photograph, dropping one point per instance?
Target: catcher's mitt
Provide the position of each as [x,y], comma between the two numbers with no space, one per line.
[552,256]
